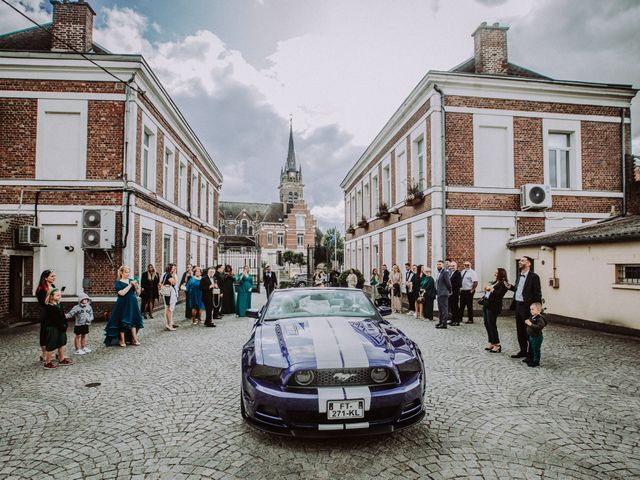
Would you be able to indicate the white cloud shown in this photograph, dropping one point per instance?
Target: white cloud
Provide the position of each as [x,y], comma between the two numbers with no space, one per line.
[330,214]
[11,21]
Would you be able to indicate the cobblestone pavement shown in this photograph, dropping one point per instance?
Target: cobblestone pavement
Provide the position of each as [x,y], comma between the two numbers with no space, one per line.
[170,409]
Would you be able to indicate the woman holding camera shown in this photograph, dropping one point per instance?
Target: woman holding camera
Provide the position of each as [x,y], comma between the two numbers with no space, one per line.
[492,307]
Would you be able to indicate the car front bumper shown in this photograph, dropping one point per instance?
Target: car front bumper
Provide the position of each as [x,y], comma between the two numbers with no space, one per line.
[303,412]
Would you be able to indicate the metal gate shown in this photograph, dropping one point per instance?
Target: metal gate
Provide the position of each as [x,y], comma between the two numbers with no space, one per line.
[238,257]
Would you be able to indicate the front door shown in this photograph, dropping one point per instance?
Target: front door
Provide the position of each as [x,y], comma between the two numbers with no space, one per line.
[15,287]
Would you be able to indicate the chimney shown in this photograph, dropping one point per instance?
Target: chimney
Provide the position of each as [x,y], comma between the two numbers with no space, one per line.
[490,48]
[73,25]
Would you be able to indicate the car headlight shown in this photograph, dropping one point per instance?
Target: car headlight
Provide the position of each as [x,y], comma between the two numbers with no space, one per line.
[304,377]
[265,372]
[412,365]
[379,375]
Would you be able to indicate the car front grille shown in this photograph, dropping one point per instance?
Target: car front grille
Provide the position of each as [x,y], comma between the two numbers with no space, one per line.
[342,377]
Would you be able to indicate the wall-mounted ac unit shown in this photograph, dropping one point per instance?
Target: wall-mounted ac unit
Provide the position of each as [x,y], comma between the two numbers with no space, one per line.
[98,229]
[534,196]
[30,235]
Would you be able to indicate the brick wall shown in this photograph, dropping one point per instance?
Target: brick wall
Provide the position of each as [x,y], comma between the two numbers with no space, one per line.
[530,226]
[460,238]
[66,86]
[72,26]
[18,126]
[528,151]
[490,50]
[459,148]
[105,140]
[601,157]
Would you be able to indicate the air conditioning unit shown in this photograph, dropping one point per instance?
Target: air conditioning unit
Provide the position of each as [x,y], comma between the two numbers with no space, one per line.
[30,235]
[98,229]
[534,196]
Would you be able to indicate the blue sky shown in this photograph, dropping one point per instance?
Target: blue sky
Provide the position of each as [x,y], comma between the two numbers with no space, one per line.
[239,68]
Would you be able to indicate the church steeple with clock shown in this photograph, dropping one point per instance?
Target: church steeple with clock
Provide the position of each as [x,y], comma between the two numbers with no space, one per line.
[291,186]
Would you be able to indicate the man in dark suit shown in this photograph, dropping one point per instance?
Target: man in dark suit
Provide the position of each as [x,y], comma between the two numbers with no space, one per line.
[528,291]
[454,299]
[409,283]
[269,280]
[443,291]
[217,293]
[207,284]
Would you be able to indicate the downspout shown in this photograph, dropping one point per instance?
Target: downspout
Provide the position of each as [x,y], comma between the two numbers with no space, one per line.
[125,179]
[624,164]
[443,180]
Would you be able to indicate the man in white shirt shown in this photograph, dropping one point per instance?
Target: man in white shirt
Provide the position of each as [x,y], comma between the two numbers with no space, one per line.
[469,285]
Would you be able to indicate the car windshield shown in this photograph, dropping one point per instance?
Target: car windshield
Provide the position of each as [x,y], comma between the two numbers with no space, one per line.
[318,303]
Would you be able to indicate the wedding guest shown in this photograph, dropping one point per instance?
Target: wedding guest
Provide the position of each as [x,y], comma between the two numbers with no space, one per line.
[126,319]
[149,284]
[169,291]
[245,286]
[194,294]
[45,284]
[55,323]
[228,294]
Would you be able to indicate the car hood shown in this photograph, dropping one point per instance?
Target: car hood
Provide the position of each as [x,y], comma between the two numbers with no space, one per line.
[331,342]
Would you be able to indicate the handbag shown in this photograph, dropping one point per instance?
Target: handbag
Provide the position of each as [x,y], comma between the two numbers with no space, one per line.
[165,290]
[482,300]
[215,291]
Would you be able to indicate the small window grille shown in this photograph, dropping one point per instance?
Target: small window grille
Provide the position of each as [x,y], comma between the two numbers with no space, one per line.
[628,274]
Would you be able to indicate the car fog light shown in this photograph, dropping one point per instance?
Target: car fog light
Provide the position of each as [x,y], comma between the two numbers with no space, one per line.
[379,375]
[304,377]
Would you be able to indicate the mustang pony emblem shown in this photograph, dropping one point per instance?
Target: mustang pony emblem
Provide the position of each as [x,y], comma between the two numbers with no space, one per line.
[343,377]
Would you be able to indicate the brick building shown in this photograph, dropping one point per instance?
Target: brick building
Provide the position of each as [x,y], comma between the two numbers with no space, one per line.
[97,171]
[271,227]
[484,153]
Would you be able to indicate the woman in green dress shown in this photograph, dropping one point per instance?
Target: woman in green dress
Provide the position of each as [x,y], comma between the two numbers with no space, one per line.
[245,285]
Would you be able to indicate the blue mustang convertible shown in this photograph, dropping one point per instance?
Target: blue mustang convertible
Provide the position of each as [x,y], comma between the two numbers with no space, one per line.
[323,362]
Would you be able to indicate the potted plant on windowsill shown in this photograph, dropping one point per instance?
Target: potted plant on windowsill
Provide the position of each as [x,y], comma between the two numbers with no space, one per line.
[415,195]
[363,223]
[383,211]
[351,230]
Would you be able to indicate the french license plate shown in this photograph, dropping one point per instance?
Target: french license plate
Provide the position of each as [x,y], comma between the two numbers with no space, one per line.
[338,409]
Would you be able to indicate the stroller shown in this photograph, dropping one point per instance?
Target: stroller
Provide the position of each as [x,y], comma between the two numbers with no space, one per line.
[383,297]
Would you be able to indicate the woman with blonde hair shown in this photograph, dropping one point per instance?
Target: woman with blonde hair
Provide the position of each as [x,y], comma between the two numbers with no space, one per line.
[126,318]
[395,282]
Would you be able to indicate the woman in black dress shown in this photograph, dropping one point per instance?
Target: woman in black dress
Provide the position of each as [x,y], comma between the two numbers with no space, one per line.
[492,307]
[55,327]
[228,294]
[46,283]
[149,293]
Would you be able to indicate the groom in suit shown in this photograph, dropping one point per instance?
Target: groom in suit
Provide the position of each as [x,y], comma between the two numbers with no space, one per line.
[270,281]
[528,291]
[443,291]
[207,284]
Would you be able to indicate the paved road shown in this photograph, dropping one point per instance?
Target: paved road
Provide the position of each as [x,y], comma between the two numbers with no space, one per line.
[169,409]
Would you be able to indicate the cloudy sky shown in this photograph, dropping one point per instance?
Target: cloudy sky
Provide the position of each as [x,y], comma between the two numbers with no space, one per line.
[239,68]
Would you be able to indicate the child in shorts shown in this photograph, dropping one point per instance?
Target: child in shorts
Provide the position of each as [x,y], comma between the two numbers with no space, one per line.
[83,316]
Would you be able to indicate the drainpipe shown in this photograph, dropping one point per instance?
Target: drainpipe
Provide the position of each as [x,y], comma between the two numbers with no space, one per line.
[624,164]
[443,180]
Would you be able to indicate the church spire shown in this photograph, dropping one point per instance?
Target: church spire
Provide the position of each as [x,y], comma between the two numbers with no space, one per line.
[291,156]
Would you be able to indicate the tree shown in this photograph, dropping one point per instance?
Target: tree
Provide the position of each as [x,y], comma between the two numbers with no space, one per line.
[334,245]
[298,259]
[288,258]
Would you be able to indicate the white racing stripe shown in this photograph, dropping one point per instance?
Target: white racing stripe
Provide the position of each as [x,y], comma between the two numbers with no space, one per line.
[326,349]
[356,393]
[350,342]
[327,393]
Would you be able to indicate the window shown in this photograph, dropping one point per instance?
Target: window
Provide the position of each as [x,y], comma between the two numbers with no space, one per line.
[269,238]
[493,151]
[417,168]
[295,196]
[559,166]
[210,206]
[245,227]
[358,213]
[375,202]
[145,249]
[300,222]
[146,176]
[194,194]
[366,200]
[203,200]
[250,230]
[290,200]
[628,274]
[347,216]
[166,250]
[386,185]
[61,140]
[300,240]
[401,177]
[182,185]
[238,229]
[168,175]
[280,239]
[223,229]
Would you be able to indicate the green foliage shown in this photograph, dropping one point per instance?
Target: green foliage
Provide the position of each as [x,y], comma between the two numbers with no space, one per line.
[328,243]
[342,279]
[284,284]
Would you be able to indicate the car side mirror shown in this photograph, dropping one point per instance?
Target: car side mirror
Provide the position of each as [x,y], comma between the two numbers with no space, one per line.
[253,313]
[383,310]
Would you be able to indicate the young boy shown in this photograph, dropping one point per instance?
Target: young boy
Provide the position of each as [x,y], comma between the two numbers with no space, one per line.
[535,324]
[83,316]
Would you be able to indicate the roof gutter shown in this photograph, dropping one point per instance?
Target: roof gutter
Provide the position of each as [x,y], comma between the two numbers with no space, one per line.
[624,163]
